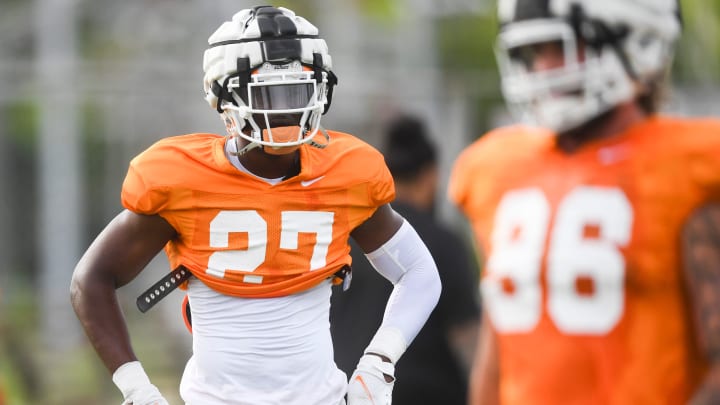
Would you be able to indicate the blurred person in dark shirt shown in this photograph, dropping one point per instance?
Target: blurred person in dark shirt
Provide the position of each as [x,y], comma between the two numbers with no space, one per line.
[435,367]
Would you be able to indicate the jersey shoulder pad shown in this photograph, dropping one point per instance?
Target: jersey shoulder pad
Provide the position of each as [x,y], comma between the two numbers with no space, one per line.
[693,143]
[165,165]
[508,144]
[500,151]
[356,165]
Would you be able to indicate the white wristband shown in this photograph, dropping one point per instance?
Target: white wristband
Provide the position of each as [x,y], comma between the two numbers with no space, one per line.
[388,342]
[129,377]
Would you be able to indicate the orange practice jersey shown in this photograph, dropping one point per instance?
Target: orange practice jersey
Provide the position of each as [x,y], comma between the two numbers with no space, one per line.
[245,237]
[583,280]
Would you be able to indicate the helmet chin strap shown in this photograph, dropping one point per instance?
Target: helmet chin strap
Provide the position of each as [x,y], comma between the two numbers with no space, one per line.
[245,149]
[320,145]
[252,145]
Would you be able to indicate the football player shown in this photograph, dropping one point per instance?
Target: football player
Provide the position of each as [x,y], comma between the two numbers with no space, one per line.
[261,218]
[599,221]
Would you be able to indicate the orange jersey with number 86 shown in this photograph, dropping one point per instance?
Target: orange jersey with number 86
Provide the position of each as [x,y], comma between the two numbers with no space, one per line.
[583,280]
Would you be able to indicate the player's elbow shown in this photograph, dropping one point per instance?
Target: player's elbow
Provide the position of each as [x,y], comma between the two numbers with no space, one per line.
[83,284]
[424,279]
[77,286]
[433,286]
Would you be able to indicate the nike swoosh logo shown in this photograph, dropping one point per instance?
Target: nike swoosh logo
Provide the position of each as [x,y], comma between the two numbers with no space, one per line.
[365,388]
[306,183]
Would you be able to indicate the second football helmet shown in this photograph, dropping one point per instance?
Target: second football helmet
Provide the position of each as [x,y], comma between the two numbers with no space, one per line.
[612,51]
[269,75]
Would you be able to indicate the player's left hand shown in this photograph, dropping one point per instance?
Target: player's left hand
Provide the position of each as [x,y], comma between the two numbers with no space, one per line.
[372,382]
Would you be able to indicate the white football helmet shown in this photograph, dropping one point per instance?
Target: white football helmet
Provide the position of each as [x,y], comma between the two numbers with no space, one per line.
[269,74]
[613,50]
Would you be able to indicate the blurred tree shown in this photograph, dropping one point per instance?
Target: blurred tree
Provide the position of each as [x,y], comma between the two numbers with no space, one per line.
[697,59]
[379,10]
[467,58]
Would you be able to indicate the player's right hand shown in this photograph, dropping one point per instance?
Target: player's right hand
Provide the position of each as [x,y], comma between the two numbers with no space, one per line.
[135,385]
[145,395]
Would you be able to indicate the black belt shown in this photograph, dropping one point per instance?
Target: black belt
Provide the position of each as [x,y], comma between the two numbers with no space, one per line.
[172,280]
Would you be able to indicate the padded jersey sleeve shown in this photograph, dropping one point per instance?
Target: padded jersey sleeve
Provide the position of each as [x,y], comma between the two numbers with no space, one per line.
[363,165]
[458,182]
[470,178]
[139,194]
[161,179]
[361,170]
[381,186]
[478,173]
[156,177]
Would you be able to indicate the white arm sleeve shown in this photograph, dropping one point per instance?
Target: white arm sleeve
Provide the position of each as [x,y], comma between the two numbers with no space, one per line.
[406,262]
